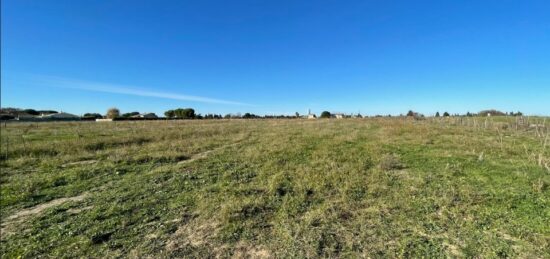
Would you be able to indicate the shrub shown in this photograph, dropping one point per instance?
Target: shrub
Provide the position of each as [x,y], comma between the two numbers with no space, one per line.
[325,114]
[446,114]
[437,114]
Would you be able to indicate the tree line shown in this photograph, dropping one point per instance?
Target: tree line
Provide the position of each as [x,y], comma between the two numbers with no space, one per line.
[189,113]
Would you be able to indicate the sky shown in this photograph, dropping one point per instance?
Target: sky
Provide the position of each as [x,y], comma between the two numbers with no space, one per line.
[276,57]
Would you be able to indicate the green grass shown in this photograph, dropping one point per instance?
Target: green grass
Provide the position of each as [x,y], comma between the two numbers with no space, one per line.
[276,188]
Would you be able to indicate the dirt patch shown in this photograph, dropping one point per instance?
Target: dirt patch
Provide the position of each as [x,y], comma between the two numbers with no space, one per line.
[17,218]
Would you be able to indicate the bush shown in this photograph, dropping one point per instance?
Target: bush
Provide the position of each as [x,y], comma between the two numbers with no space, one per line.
[326,114]
[446,114]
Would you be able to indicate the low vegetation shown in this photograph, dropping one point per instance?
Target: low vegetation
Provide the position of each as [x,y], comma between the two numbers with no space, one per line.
[377,187]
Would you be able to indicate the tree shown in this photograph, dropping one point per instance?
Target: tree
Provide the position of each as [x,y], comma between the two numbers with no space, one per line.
[113,113]
[249,116]
[47,111]
[169,114]
[493,112]
[130,114]
[446,114]
[187,113]
[31,112]
[297,115]
[325,114]
[92,115]
[437,114]
[410,113]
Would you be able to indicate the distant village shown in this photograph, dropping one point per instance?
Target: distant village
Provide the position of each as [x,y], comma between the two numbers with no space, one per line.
[114,114]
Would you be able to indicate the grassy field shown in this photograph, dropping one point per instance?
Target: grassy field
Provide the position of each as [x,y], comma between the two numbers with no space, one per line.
[375,187]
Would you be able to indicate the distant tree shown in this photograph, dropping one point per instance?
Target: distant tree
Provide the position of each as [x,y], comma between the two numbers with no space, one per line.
[359,115]
[410,113]
[437,114]
[5,117]
[198,116]
[92,115]
[227,116]
[31,112]
[326,114]
[518,113]
[130,114]
[10,111]
[297,115]
[446,114]
[492,112]
[113,113]
[169,114]
[47,112]
[187,113]
[468,114]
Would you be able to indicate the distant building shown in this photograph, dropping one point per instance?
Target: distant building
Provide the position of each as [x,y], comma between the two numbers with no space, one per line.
[310,115]
[148,115]
[338,115]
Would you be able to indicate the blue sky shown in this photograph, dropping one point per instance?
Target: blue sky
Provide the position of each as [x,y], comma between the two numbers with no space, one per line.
[277,57]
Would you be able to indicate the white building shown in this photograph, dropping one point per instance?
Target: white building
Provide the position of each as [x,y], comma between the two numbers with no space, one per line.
[311,115]
[339,115]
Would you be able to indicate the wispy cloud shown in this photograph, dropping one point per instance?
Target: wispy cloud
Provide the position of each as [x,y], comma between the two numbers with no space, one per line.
[68,83]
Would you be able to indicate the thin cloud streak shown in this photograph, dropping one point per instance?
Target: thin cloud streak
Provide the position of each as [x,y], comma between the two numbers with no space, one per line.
[121,89]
